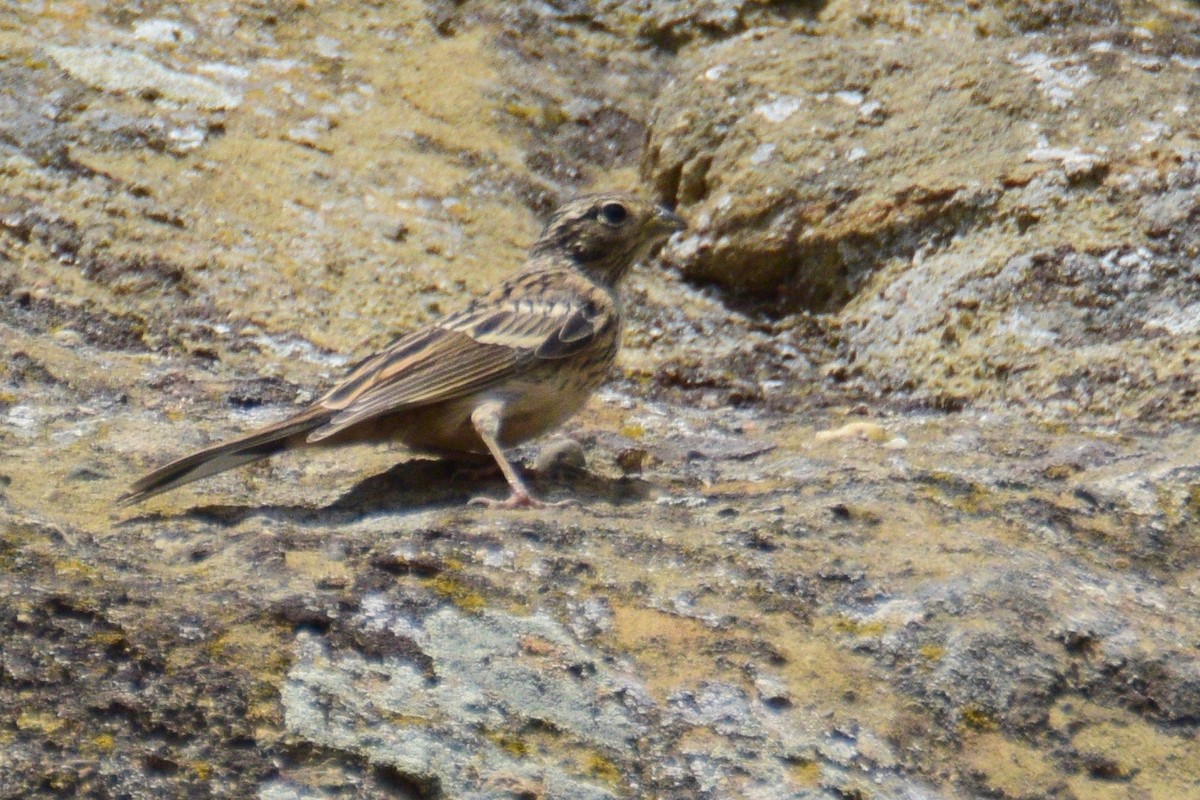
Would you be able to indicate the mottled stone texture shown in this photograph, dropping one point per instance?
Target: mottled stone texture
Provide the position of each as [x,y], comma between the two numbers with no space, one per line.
[895,493]
[1008,212]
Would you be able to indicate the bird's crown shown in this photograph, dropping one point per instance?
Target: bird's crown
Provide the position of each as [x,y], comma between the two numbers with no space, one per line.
[604,234]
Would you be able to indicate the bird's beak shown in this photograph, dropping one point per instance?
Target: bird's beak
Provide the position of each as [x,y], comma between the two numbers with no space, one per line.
[666,222]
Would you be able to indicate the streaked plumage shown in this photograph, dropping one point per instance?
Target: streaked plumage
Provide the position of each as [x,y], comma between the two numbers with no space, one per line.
[512,365]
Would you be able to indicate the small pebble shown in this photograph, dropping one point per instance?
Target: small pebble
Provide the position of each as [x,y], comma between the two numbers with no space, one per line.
[559,456]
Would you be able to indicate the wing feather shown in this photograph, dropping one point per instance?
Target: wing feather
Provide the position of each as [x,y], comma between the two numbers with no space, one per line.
[575,333]
[467,352]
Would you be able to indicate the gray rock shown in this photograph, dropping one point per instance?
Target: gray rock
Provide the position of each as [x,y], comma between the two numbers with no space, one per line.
[130,72]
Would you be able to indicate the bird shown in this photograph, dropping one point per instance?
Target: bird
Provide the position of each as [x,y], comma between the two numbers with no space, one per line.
[514,363]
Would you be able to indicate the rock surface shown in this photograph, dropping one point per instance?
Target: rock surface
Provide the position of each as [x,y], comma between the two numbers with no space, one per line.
[1011,212]
[896,493]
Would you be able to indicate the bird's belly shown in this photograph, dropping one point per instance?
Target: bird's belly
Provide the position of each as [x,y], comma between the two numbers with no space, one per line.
[442,427]
[530,414]
[533,404]
[548,397]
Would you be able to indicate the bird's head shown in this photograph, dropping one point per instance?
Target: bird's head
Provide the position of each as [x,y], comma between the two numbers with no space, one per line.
[605,234]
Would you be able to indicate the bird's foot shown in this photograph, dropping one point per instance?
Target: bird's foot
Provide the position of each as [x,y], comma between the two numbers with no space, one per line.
[520,500]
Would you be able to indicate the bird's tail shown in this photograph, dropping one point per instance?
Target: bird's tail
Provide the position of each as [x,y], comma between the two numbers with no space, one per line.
[227,455]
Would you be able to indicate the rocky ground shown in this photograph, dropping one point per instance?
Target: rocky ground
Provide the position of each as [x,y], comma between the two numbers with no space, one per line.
[896,493]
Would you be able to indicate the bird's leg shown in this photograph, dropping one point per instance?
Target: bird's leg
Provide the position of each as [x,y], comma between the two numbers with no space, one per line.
[486,419]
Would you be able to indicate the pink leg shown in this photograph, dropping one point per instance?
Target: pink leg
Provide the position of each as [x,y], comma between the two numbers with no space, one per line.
[486,419]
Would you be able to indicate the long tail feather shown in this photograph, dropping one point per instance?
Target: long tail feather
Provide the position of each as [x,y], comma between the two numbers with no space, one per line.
[227,455]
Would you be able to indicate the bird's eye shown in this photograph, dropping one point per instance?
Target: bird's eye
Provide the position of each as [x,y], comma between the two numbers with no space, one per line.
[614,213]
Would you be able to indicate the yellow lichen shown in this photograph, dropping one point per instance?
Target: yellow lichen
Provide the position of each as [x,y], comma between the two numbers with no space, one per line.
[866,431]
[600,767]
[457,593]
[932,652]
[74,568]
[979,719]
[47,724]
[1192,504]
[805,772]
[513,745]
[1012,768]
[633,431]
[1154,25]
[856,628]
[107,638]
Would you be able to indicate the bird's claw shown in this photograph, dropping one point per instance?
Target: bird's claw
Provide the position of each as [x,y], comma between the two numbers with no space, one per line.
[519,500]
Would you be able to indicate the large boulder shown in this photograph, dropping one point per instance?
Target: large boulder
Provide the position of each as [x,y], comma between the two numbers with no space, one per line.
[991,217]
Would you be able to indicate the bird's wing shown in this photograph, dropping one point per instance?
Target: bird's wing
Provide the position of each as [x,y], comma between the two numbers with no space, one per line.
[464,353]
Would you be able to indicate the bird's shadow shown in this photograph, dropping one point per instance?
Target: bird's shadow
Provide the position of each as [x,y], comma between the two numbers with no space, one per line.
[426,484]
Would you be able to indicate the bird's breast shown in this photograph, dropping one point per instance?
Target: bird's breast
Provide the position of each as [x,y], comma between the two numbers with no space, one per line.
[550,395]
